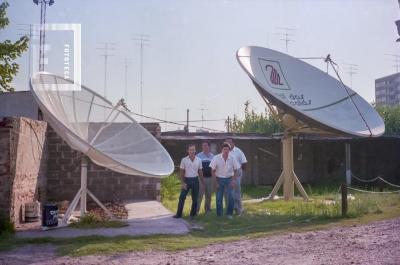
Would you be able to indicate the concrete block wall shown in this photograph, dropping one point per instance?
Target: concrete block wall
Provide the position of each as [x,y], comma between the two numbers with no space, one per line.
[63,177]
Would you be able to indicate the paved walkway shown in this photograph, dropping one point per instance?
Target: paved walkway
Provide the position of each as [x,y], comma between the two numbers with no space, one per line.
[144,218]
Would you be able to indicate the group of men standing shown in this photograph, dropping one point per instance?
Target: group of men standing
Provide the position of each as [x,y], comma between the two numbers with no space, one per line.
[205,171]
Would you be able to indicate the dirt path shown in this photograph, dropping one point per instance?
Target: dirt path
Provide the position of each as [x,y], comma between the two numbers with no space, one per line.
[375,243]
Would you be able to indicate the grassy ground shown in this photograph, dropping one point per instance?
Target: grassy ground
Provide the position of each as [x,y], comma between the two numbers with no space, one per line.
[260,219]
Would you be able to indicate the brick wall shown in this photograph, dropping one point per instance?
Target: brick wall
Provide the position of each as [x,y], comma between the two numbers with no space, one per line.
[5,171]
[22,165]
[63,177]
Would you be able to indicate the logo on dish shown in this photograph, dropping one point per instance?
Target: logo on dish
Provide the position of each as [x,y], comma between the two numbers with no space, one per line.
[273,74]
[275,78]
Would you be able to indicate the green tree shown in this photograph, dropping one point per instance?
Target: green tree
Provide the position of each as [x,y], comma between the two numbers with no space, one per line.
[391,116]
[254,122]
[9,51]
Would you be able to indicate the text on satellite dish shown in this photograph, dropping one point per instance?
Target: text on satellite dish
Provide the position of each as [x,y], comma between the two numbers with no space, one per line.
[298,100]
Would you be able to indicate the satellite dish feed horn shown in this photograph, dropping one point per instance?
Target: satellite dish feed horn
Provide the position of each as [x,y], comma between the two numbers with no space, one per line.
[306,100]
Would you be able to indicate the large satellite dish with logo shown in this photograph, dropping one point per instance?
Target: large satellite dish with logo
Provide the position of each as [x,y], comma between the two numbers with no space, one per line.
[104,132]
[306,100]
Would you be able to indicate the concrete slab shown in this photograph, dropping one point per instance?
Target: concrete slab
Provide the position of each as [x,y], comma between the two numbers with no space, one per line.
[144,218]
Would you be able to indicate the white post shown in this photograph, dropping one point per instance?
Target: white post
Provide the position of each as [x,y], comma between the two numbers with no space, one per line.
[83,184]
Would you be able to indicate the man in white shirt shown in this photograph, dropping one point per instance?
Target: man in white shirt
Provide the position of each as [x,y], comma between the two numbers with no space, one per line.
[224,171]
[190,171]
[206,156]
[241,159]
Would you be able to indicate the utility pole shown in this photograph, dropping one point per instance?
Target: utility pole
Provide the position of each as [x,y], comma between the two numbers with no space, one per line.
[287,36]
[126,62]
[142,40]
[187,121]
[396,60]
[43,4]
[351,70]
[229,125]
[107,47]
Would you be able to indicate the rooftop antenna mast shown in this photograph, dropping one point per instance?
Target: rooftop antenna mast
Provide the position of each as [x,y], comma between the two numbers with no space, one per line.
[43,4]
[106,48]
[202,109]
[351,70]
[126,62]
[287,36]
[166,109]
[31,33]
[142,40]
[396,60]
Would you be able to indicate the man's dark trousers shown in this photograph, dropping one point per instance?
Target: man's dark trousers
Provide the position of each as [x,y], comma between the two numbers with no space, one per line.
[193,185]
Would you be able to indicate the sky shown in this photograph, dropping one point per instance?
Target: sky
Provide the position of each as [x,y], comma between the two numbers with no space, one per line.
[190,62]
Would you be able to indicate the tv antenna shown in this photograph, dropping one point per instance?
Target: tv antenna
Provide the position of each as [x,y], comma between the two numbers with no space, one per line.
[126,62]
[202,109]
[142,40]
[166,109]
[396,59]
[287,35]
[31,33]
[106,48]
[351,70]
[43,4]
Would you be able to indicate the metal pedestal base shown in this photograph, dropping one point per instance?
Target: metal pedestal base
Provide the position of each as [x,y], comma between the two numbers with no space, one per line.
[82,194]
[288,178]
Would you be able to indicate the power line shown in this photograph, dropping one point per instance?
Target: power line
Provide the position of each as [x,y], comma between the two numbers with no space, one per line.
[142,40]
[107,47]
[171,122]
[202,120]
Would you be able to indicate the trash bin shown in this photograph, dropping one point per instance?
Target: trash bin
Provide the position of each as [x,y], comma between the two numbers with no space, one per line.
[50,215]
[32,210]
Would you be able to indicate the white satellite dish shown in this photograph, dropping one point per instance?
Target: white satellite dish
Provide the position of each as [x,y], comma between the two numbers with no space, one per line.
[104,132]
[307,100]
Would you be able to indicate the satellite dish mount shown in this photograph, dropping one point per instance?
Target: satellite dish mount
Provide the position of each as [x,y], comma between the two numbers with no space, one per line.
[81,195]
[288,177]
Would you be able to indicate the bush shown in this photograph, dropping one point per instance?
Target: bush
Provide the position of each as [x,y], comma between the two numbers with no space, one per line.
[170,187]
[91,220]
[6,226]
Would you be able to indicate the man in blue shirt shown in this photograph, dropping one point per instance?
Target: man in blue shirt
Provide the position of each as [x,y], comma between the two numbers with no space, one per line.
[206,156]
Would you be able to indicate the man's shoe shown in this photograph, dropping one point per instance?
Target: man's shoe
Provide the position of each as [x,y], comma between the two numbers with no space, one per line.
[230,217]
[176,216]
